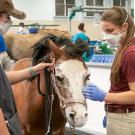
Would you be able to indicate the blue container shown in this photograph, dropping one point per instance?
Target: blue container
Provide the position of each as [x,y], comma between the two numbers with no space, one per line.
[33,30]
[93,43]
[103,58]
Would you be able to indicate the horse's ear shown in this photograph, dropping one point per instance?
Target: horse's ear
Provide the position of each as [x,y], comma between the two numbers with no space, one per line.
[56,50]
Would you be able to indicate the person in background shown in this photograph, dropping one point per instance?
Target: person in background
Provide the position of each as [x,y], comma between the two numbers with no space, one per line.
[21,28]
[80,34]
[9,120]
[5,23]
[118,25]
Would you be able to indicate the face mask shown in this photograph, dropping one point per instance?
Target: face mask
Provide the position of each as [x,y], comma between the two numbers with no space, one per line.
[4,27]
[111,38]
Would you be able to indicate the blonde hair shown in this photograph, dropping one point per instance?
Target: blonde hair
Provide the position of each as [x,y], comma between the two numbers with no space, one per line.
[118,16]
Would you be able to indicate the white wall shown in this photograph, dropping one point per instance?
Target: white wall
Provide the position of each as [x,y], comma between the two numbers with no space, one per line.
[79,15]
[37,9]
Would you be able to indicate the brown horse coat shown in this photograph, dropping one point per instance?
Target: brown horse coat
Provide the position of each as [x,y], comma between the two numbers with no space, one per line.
[32,117]
[19,45]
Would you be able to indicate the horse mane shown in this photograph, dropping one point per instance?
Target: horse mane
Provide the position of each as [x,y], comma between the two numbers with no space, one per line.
[72,50]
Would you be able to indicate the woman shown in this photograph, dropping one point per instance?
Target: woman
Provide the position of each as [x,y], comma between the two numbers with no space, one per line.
[14,77]
[9,120]
[118,25]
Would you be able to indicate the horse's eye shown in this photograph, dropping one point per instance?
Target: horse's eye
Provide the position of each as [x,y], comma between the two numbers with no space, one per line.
[60,79]
[87,77]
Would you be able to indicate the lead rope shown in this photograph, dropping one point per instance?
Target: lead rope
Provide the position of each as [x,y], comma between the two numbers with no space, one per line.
[49,100]
[72,129]
[49,123]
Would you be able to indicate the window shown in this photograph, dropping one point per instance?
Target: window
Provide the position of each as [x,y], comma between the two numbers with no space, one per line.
[62,7]
[89,2]
[119,3]
[98,2]
[94,3]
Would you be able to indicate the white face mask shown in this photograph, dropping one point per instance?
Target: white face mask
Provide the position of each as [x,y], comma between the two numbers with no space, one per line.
[111,38]
[4,27]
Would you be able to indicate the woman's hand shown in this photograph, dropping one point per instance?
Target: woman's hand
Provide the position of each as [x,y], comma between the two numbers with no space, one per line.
[41,66]
[20,75]
[94,93]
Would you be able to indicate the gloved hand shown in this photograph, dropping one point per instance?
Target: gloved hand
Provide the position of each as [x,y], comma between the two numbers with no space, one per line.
[104,121]
[94,93]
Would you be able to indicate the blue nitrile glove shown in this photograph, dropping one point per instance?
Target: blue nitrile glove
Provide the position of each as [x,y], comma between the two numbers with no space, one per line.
[104,121]
[94,93]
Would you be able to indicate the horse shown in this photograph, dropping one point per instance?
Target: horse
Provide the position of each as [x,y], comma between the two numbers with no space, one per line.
[66,102]
[19,45]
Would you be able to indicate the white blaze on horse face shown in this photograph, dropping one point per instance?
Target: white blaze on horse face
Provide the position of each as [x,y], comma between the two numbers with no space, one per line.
[75,72]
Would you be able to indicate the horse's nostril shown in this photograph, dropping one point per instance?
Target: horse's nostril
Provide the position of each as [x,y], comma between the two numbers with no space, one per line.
[86,115]
[72,115]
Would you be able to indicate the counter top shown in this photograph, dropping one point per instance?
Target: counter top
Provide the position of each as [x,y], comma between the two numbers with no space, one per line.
[100,65]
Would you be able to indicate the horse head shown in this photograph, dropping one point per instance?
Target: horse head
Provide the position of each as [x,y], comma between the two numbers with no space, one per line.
[70,75]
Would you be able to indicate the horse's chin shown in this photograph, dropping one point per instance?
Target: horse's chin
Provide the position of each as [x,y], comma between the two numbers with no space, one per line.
[76,115]
[76,124]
